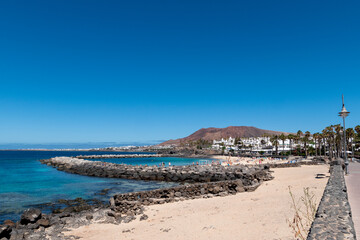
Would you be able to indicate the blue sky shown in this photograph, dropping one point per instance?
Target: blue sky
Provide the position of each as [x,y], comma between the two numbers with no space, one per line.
[123,71]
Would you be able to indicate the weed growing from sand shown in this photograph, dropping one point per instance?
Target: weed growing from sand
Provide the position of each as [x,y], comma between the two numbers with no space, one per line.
[304,213]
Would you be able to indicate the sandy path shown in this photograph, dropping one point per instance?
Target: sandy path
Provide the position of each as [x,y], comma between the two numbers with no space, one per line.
[255,215]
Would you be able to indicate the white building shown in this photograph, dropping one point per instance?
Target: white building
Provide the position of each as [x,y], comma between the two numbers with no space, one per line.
[255,144]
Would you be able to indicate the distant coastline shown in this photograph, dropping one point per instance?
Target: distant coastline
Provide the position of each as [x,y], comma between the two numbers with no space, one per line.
[66,150]
[76,146]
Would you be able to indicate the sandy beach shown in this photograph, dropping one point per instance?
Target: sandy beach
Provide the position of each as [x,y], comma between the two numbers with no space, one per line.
[247,160]
[261,214]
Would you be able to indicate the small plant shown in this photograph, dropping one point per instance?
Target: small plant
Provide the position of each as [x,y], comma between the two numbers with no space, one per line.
[304,215]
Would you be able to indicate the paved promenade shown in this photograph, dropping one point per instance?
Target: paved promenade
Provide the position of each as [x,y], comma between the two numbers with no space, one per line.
[353,186]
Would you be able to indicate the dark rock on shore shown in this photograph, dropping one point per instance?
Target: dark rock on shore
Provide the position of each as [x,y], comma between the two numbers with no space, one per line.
[9,223]
[44,223]
[5,231]
[30,216]
[144,217]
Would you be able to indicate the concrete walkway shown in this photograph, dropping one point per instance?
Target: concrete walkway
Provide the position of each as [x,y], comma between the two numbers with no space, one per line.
[353,187]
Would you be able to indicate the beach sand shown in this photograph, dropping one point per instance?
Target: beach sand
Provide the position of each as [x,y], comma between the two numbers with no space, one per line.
[247,160]
[256,215]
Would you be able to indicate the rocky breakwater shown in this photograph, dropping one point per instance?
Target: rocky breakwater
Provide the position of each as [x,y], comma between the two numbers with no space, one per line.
[103,156]
[130,203]
[189,174]
[333,218]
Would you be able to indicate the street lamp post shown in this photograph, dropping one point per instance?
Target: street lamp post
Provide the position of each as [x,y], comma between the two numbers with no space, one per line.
[344,113]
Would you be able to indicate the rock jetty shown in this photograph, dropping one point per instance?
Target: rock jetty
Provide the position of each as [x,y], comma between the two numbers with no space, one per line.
[121,203]
[103,156]
[189,174]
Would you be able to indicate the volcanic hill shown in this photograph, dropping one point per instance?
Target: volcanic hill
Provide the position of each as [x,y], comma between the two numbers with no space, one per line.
[218,133]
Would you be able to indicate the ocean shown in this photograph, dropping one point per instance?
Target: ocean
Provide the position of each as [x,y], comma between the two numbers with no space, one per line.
[25,182]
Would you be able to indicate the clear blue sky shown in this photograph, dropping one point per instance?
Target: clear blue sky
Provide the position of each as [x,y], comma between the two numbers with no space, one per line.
[88,71]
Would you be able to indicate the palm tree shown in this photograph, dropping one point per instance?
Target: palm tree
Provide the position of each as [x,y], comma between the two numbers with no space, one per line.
[350,134]
[298,138]
[291,137]
[337,139]
[222,148]
[357,137]
[306,139]
[330,136]
[325,135]
[357,129]
[274,140]
[321,140]
[282,137]
[316,138]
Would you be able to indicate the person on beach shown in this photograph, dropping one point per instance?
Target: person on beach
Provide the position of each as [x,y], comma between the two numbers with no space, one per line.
[169,164]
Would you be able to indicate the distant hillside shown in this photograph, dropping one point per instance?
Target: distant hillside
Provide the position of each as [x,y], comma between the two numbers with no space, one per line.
[218,133]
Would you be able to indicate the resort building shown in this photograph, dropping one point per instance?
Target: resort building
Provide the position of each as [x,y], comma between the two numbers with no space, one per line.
[255,145]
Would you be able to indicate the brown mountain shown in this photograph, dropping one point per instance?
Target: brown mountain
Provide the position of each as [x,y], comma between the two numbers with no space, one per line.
[218,133]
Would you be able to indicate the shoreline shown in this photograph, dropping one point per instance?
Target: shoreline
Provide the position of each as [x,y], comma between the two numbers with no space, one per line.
[225,181]
[207,181]
[235,216]
[47,205]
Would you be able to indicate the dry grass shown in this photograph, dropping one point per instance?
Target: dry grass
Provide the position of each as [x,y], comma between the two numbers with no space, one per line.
[304,213]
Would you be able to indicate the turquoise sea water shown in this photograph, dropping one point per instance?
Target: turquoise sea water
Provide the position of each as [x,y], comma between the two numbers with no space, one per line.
[25,182]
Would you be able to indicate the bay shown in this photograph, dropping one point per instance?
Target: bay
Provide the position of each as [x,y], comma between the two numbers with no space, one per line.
[25,182]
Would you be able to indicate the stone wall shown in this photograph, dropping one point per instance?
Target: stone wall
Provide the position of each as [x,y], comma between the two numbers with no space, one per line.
[333,218]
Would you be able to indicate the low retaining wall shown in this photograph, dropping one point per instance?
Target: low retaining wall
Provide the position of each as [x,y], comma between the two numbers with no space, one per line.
[190,174]
[333,217]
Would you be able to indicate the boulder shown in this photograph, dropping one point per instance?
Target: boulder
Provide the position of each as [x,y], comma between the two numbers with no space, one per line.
[30,215]
[129,219]
[240,189]
[112,201]
[5,231]
[9,223]
[144,217]
[43,222]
